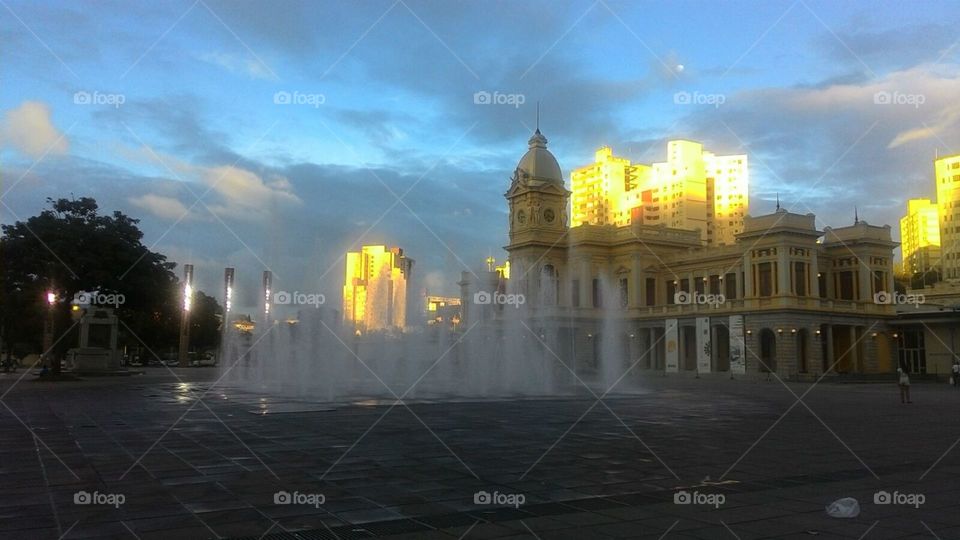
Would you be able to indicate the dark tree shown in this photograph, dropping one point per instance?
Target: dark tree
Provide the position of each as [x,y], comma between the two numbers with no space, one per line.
[71,248]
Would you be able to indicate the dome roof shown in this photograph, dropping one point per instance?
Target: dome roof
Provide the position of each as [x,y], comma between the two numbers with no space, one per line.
[538,163]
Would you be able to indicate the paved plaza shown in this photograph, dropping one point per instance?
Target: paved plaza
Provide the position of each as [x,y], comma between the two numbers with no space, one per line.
[146,457]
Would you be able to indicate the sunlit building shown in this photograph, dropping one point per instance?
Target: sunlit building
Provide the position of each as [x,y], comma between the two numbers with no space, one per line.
[692,190]
[606,293]
[920,237]
[375,288]
[947,174]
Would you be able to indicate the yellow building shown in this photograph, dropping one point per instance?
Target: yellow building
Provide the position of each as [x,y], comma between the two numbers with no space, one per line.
[693,189]
[375,288]
[947,171]
[920,237]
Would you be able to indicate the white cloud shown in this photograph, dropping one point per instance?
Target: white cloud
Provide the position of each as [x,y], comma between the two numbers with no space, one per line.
[28,129]
[249,66]
[244,194]
[160,206]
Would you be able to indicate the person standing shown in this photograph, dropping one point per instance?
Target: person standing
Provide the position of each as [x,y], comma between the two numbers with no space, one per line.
[904,386]
[955,374]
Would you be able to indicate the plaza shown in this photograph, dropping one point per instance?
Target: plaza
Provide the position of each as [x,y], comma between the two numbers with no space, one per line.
[194,458]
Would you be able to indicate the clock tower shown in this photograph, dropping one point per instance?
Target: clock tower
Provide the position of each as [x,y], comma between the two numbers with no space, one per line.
[538,204]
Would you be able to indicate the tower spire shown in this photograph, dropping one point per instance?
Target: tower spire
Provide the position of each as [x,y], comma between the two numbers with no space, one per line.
[538,116]
[778,201]
[856,216]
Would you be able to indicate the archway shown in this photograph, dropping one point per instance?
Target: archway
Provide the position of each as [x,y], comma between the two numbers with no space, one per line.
[768,351]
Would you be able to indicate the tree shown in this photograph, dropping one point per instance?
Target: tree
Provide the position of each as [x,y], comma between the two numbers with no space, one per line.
[71,248]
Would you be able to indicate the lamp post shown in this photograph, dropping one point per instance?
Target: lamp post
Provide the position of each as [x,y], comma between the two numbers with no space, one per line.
[51,298]
[185,314]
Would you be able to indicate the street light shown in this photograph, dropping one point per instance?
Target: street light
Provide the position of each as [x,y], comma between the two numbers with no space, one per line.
[185,314]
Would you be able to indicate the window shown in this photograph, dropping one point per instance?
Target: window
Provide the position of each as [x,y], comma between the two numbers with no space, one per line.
[597,294]
[800,278]
[730,286]
[765,279]
[651,286]
[846,286]
[624,293]
[575,293]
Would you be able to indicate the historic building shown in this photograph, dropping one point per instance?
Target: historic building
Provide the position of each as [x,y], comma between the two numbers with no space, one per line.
[783,296]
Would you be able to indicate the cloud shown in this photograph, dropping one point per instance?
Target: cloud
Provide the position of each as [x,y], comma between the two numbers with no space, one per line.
[160,206]
[249,66]
[28,128]
[945,121]
[246,194]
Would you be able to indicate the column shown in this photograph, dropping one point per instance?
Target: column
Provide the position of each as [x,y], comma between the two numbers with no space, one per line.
[814,270]
[783,271]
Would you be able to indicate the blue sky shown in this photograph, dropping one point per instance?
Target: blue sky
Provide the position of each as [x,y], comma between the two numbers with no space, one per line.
[387,105]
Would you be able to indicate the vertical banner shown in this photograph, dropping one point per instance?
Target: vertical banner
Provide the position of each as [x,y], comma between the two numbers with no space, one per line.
[672,346]
[738,363]
[704,345]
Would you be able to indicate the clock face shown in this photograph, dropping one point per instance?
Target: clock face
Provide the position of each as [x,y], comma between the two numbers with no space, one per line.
[548,215]
[521,216]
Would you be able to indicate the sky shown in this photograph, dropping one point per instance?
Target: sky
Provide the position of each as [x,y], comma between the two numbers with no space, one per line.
[279,135]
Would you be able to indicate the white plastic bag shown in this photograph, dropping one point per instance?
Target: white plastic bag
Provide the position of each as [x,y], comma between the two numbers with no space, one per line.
[847,507]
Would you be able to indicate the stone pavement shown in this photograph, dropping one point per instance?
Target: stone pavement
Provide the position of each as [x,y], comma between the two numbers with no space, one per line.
[143,457]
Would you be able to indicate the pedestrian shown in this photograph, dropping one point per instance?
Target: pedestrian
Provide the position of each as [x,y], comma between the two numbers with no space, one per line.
[904,386]
[955,374]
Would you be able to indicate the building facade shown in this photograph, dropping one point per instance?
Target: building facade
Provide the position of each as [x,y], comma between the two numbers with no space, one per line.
[375,288]
[784,297]
[693,189]
[920,237]
[947,174]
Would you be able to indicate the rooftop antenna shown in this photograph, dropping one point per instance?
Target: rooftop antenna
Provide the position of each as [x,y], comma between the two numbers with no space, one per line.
[856,216]
[778,200]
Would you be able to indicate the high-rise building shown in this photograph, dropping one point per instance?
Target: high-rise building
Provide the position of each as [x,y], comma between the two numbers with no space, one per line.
[693,189]
[920,237]
[375,288]
[947,173]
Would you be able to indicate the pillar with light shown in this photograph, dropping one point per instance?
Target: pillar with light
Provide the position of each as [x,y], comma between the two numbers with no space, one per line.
[267,286]
[51,298]
[185,313]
